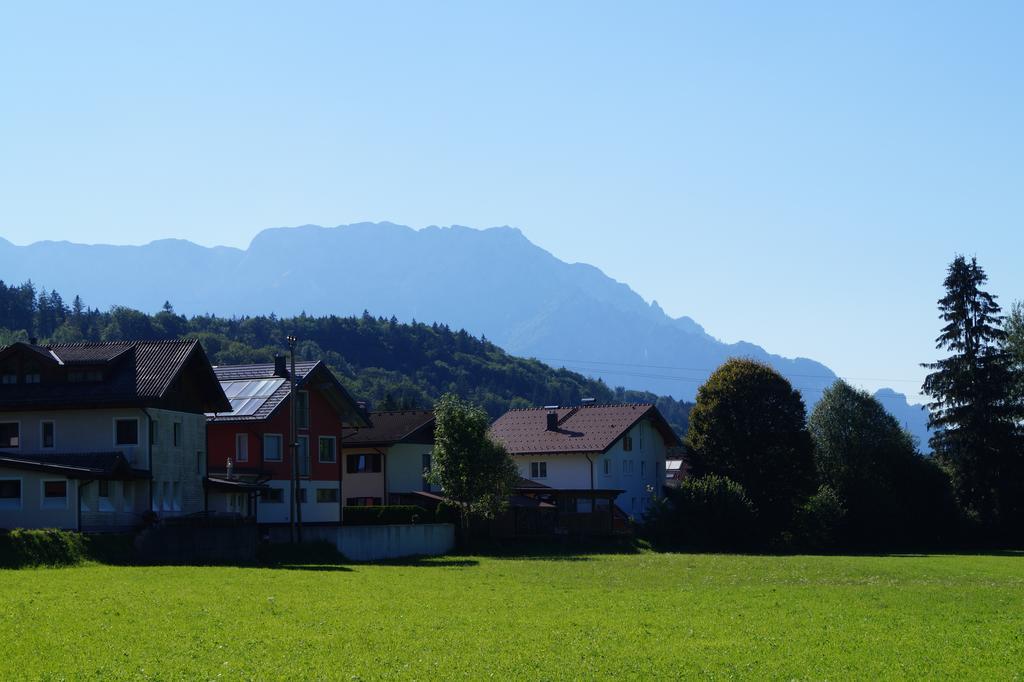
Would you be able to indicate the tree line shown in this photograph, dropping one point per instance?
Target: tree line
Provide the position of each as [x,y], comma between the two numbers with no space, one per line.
[388,364]
[764,473]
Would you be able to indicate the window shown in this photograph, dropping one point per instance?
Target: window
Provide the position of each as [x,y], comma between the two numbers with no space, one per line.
[302,495]
[325,450]
[55,494]
[627,443]
[84,375]
[272,496]
[538,469]
[303,453]
[241,447]
[10,434]
[302,410]
[177,434]
[46,434]
[627,467]
[9,376]
[154,432]
[607,467]
[10,493]
[363,464]
[272,444]
[362,502]
[326,495]
[643,468]
[126,432]
[103,493]
[32,376]
[426,470]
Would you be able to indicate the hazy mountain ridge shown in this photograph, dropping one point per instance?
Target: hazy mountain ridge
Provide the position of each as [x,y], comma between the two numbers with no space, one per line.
[493,282]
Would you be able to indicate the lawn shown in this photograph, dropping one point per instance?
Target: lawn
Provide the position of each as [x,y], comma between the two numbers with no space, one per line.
[630,615]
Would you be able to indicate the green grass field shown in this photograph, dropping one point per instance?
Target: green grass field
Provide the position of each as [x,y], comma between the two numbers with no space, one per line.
[630,615]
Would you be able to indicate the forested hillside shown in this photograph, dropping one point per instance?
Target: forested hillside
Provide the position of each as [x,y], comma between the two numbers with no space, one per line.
[384,362]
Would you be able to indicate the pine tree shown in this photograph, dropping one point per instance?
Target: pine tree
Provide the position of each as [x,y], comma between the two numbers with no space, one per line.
[972,411]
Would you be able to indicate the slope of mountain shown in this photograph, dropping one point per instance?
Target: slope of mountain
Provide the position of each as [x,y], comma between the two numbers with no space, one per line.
[493,282]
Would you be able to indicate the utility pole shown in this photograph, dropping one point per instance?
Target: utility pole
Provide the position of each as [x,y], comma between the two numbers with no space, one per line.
[296,515]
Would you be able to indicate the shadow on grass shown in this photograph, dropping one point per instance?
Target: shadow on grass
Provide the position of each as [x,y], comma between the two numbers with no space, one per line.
[426,562]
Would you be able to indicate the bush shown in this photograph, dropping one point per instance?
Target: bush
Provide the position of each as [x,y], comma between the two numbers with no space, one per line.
[386,515]
[819,519]
[710,512]
[44,547]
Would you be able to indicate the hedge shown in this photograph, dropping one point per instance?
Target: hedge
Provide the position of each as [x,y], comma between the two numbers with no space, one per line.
[383,515]
[45,547]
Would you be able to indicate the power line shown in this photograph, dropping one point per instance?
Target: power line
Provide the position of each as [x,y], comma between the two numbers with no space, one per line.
[712,369]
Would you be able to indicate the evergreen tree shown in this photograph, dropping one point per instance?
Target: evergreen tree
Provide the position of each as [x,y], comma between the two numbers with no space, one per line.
[972,409]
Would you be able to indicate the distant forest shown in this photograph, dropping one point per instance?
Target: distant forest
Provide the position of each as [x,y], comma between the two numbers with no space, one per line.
[388,364]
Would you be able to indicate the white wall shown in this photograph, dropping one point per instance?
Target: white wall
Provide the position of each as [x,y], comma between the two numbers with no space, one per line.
[569,471]
[79,431]
[405,468]
[32,513]
[312,511]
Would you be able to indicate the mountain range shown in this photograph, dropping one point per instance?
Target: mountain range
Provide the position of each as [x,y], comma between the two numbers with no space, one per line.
[493,282]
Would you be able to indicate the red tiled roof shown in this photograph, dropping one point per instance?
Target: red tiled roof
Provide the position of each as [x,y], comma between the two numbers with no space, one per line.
[399,426]
[587,428]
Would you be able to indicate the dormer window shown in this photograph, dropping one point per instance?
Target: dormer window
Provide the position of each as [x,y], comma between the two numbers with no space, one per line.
[78,376]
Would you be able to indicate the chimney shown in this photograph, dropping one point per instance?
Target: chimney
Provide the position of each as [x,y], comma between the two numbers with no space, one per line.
[280,366]
[552,421]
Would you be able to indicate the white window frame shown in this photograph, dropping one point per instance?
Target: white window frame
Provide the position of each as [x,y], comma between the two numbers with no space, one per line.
[334,449]
[43,499]
[538,470]
[21,494]
[42,441]
[607,466]
[280,438]
[242,453]
[20,439]
[138,432]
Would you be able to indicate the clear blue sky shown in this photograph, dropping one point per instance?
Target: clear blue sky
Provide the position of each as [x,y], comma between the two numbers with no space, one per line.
[794,174]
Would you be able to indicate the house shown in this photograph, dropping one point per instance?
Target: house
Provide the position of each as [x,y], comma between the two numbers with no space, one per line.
[250,460]
[94,436]
[388,460]
[590,455]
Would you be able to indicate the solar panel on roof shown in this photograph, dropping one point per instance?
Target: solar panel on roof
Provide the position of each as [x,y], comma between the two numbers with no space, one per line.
[246,396]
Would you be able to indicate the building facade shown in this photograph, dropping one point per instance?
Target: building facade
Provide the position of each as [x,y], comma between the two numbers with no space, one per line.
[617,449]
[98,436]
[388,460]
[250,453]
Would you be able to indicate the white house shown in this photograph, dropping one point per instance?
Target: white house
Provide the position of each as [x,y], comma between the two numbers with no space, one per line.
[616,449]
[95,435]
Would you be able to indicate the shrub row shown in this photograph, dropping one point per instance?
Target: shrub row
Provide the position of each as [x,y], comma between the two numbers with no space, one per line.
[45,547]
[383,515]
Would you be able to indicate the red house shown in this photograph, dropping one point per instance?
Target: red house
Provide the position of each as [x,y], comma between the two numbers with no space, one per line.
[250,460]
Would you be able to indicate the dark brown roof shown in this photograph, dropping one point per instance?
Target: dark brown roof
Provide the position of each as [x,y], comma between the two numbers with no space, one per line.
[308,374]
[135,373]
[81,465]
[389,428]
[587,428]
